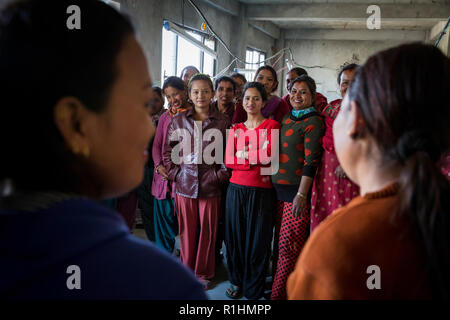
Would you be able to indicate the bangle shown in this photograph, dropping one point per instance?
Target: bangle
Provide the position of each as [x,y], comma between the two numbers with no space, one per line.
[301,195]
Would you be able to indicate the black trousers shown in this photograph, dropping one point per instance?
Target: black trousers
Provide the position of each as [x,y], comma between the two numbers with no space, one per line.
[249,220]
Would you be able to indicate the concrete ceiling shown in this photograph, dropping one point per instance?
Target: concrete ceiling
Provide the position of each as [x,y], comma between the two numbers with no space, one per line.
[400,19]
[423,24]
[368,2]
[414,20]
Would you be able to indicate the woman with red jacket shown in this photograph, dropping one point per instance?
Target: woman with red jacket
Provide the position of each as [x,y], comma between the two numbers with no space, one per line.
[250,198]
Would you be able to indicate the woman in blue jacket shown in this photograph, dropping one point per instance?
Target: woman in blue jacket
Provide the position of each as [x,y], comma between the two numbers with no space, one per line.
[78,134]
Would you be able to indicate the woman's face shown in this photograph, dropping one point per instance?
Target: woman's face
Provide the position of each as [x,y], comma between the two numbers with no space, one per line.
[201,93]
[253,102]
[347,149]
[300,96]
[225,93]
[266,78]
[118,137]
[155,103]
[187,75]
[239,87]
[175,97]
[346,79]
[289,78]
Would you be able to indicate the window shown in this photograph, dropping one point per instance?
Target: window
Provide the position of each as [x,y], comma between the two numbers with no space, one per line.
[178,53]
[253,56]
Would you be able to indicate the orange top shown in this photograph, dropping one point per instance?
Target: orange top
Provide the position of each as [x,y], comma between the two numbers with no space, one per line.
[336,261]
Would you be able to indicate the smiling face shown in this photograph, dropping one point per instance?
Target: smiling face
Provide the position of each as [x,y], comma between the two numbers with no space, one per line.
[225,93]
[119,136]
[239,87]
[201,93]
[176,98]
[266,78]
[253,102]
[346,79]
[300,96]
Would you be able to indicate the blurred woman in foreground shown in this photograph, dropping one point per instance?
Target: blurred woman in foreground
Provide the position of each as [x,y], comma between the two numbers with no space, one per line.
[78,134]
[392,242]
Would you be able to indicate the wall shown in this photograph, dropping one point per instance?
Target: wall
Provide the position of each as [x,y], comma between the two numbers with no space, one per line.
[330,55]
[148,15]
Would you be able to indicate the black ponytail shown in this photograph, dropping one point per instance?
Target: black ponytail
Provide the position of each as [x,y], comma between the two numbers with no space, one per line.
[404,98]
[424,198]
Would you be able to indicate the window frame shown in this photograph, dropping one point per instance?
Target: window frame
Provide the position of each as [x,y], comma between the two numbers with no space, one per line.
[204,39]
[250,55]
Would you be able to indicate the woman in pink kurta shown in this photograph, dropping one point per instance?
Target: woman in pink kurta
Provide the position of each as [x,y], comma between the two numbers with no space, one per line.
[331,188]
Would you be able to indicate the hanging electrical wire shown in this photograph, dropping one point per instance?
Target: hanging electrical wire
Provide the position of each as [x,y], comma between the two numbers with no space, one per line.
[442,33]
[282,51]
[224,44]
[225,69]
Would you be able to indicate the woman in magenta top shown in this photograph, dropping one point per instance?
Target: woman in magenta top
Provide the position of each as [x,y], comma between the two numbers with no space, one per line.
[275,108]
[250,201]
[331,188]
[164,214]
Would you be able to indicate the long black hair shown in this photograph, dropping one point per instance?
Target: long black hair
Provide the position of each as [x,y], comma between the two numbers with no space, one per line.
[42,61]
[404,98]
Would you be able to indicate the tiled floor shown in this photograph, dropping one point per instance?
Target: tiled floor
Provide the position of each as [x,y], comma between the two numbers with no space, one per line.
[220,283]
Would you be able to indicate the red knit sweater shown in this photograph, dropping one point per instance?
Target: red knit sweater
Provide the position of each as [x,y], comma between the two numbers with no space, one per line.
[258,143]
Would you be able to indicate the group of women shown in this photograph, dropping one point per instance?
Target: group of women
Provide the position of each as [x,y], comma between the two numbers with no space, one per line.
[250,195]
[376,158]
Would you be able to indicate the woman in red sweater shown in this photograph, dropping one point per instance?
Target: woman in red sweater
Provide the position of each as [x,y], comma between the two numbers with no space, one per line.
[250,200]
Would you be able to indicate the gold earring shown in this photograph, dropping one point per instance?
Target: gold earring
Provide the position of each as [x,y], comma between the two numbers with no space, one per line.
[75,149]
[63,114]
[85,151]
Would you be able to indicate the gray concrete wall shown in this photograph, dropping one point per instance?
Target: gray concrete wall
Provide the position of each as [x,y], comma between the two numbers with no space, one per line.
[328,56]
[148,15]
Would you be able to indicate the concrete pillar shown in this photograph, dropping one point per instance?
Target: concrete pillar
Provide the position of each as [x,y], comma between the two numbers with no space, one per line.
[147,15]
[239,38]
[280,44]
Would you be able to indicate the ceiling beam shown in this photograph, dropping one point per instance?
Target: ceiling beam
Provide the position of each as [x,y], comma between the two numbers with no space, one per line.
[370,35]
[345,11]
[436,30]
[267,27]
[228,6]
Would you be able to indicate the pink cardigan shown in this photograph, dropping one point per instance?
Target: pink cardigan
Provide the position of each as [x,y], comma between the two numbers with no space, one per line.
[160,187]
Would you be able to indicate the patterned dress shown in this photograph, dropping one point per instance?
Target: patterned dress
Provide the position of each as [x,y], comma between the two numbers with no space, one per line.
[444,165]
[329,192]
[300,152]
